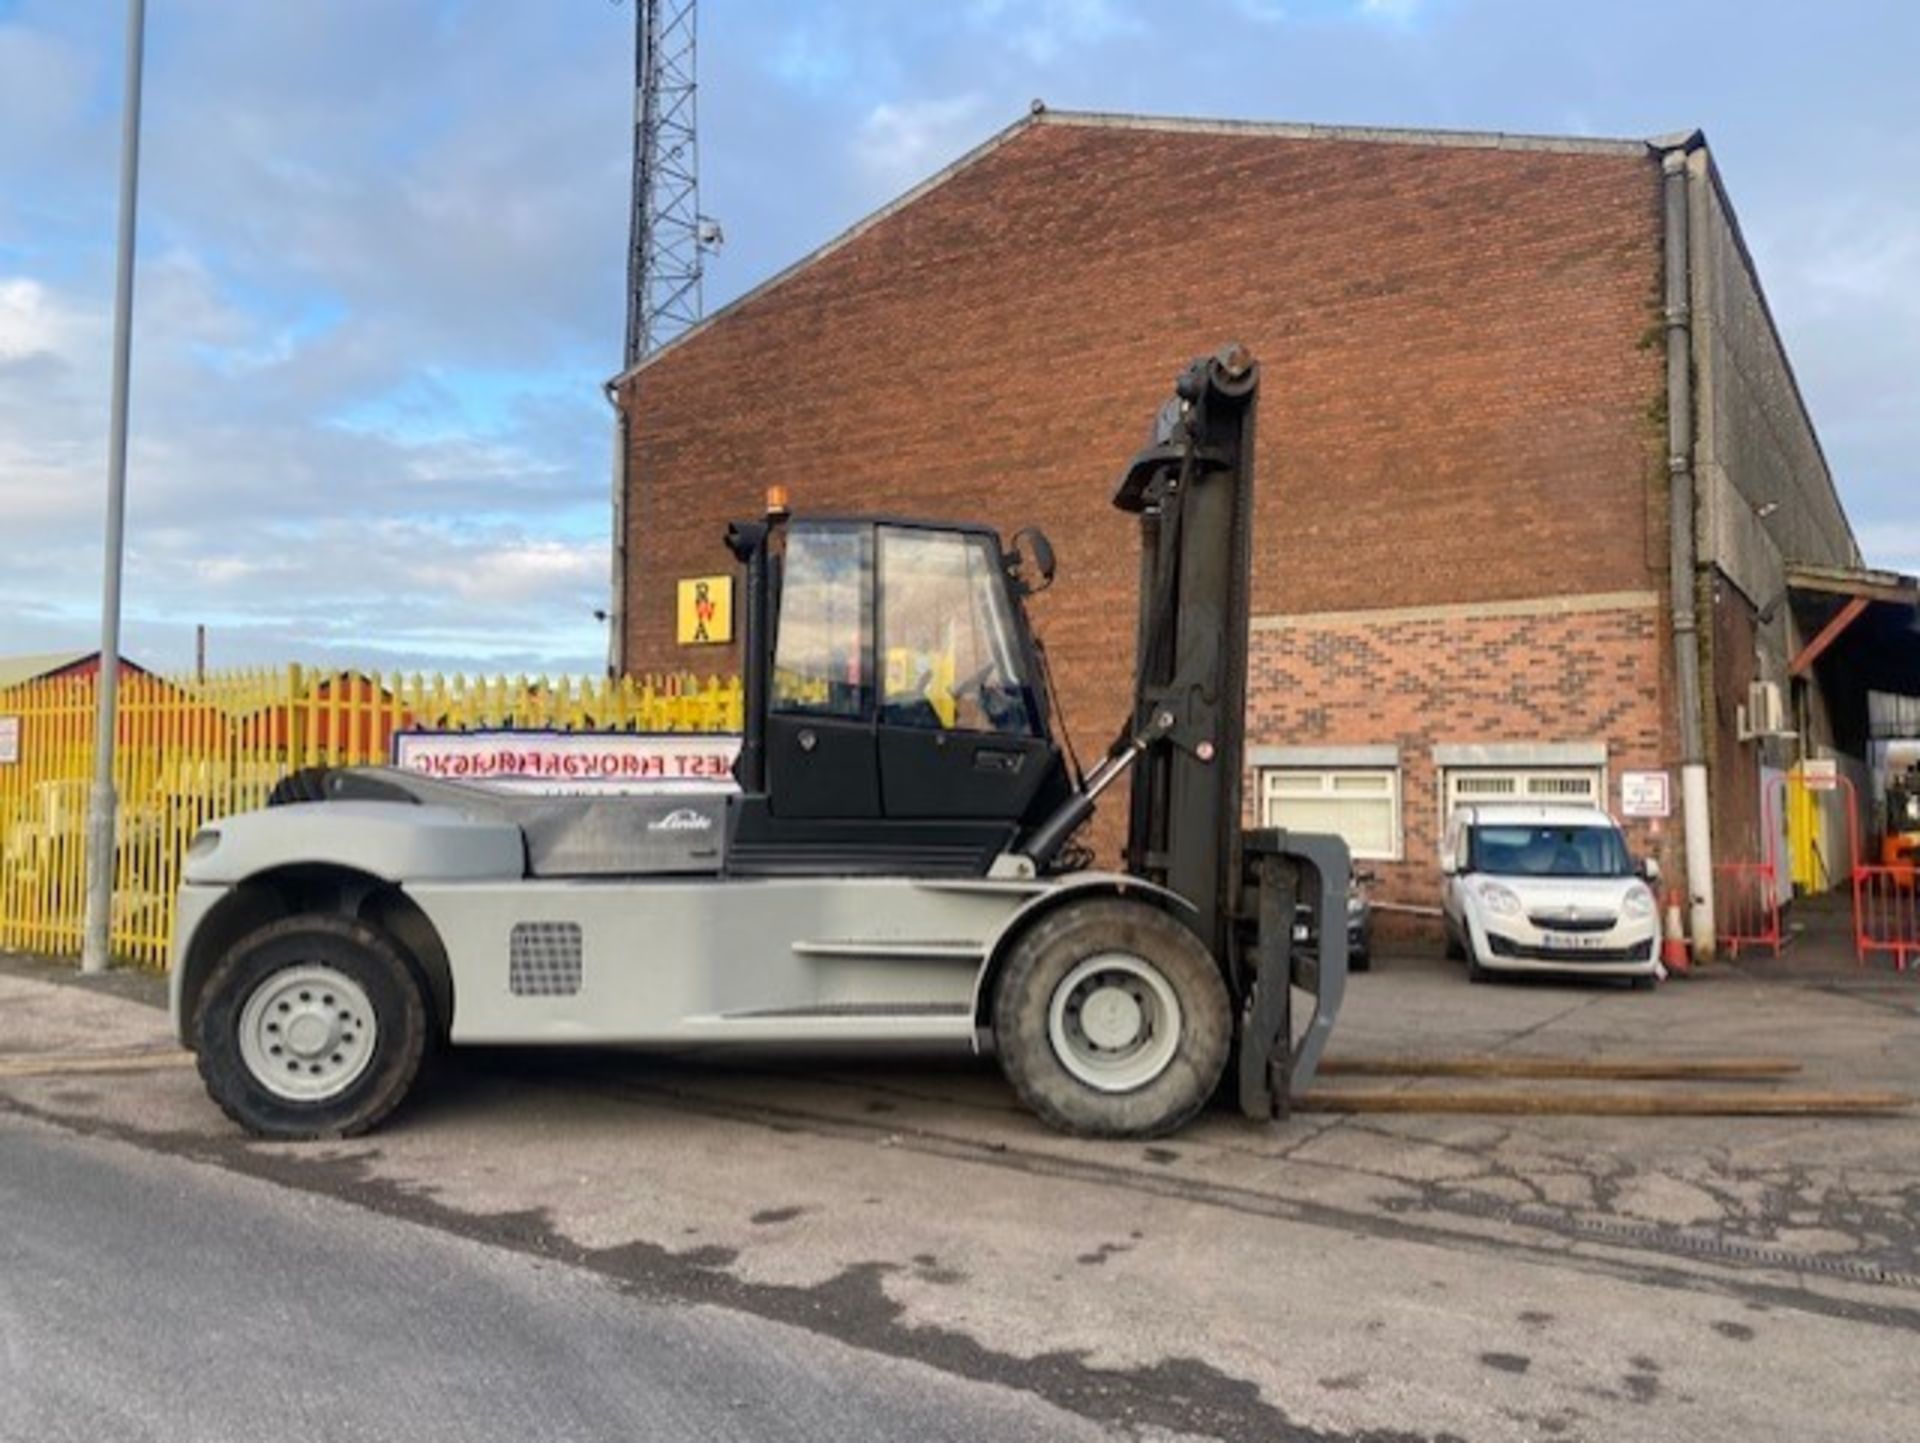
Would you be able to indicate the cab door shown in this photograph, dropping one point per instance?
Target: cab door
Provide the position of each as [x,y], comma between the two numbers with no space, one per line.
[960,729]
[821,760]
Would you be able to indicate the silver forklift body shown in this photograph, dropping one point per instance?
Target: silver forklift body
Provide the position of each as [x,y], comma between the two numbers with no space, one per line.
[609,920]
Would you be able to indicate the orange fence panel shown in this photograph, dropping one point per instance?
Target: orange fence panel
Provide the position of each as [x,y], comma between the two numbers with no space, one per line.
[1748,902]
[1886,913]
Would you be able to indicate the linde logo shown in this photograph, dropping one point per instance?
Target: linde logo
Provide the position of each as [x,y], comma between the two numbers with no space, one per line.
[682,819]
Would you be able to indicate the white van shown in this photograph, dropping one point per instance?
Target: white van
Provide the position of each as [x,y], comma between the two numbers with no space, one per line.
[1548,889]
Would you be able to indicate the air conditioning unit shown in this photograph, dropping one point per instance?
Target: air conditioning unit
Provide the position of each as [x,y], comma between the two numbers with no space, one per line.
[1765,713]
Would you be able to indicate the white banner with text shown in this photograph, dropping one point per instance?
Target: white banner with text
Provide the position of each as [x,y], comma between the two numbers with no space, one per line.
[583,762]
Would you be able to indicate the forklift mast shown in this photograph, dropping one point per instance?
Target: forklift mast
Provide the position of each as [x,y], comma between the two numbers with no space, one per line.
[1192,489]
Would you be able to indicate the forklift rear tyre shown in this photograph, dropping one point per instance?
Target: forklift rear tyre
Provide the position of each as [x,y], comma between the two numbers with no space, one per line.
[311,1027]
[1111,1020]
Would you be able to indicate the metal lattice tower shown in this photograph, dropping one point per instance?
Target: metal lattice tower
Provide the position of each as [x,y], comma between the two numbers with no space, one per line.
[668,233]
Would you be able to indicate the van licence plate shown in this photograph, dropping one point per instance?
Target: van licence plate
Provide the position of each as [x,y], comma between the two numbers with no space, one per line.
[1573,941]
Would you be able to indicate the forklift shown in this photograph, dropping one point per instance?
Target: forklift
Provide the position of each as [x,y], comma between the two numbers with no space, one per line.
[899,864]
[1900,837]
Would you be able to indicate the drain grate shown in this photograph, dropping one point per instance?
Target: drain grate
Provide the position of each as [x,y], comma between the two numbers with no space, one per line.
[1677,1240]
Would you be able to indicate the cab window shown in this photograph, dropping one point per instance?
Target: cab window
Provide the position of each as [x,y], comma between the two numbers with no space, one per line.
[826,622]
[948,651]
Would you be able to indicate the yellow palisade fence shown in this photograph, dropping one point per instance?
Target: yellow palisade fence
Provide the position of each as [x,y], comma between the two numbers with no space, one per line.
[189,751]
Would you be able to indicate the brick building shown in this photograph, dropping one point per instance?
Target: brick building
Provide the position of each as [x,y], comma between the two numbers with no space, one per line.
[1467,435]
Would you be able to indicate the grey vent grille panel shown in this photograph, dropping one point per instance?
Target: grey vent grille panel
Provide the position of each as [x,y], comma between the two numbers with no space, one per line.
[543,959]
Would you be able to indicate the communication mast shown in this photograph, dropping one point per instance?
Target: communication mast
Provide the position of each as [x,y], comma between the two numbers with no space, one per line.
[668,235]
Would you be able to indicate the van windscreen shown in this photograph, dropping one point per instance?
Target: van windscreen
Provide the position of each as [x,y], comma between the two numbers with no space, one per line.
[1537,850]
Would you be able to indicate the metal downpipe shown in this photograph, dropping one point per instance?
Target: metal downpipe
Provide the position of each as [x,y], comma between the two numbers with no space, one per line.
[1695,806]
[617,587]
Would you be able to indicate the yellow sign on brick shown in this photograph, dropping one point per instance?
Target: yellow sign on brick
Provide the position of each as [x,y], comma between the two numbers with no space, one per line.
[706,610]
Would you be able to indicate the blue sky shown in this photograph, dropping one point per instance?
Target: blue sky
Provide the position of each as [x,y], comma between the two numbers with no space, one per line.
[382,254]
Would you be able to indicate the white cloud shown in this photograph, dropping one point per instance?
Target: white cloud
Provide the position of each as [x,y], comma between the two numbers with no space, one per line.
[900,144]
[34,323]
[1044,31]
[1894,545]
[1391,13]
[1876,260]
[516,571]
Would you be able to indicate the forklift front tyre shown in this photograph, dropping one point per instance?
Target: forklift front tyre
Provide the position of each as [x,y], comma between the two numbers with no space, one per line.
[313,1026]
[1112,1020]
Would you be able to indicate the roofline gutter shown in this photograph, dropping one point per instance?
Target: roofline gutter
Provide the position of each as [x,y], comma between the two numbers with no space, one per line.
[1683,559]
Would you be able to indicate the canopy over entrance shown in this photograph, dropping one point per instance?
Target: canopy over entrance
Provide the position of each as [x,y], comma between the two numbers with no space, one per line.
[1863,630]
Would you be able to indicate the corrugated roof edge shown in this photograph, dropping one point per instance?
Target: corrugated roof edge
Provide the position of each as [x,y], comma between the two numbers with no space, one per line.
[1276,129]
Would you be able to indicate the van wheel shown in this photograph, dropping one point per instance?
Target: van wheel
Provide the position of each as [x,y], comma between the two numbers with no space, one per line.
[312,1026]
[1475,972]
[1112,1020]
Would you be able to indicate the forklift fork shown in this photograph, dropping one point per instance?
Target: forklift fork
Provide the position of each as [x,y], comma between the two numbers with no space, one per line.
[1282,868]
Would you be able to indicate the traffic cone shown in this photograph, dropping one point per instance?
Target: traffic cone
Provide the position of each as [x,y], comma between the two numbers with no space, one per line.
[1675,955]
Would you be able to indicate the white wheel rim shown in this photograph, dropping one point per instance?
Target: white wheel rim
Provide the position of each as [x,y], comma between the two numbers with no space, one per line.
[1114,1022]
[307,1033]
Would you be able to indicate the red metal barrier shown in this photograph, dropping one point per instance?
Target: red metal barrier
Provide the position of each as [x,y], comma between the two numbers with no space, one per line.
[1886,913]
[1749,906]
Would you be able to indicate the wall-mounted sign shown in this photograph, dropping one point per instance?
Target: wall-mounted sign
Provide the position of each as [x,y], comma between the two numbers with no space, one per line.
[558,763]
[1821,774]
[9,741]
[706,610]
[1646,794]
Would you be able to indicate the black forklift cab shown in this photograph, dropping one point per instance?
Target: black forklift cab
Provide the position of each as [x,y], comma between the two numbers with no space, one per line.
[896,714]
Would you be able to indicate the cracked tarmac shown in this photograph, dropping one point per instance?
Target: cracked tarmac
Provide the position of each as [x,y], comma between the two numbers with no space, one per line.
[1370,1277]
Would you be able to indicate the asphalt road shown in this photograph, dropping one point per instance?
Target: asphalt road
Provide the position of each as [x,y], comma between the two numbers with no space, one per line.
[144,1296]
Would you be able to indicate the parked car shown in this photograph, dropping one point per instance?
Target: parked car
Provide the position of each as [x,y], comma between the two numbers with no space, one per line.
[1359,924]
[1548,889]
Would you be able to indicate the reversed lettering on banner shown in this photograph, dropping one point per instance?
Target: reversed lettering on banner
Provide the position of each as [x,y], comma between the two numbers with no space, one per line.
[557,763]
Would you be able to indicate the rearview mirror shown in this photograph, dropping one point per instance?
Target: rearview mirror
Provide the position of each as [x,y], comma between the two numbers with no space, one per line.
[1030,561]
[1649,869]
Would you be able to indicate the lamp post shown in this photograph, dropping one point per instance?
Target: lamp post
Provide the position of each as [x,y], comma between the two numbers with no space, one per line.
[96,939]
